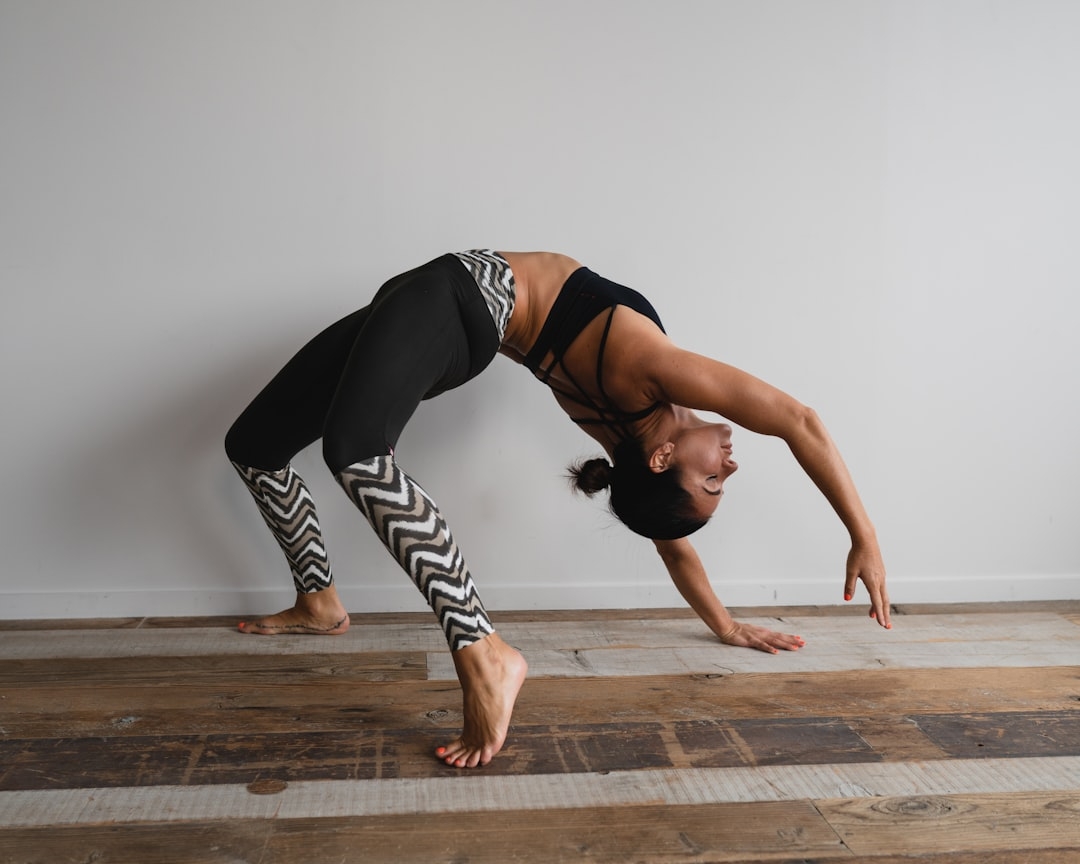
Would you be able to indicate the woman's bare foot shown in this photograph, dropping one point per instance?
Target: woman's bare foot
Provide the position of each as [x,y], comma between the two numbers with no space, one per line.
[318,614]
[491,674]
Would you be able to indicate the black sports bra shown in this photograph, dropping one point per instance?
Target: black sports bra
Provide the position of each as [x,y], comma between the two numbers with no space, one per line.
[585,296]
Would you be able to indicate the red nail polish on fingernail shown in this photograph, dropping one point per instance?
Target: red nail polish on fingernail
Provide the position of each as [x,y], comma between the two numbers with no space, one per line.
[847,596]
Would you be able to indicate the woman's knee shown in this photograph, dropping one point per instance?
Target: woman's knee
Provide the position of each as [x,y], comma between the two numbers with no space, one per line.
[342,448]
[257,444]
[236,443]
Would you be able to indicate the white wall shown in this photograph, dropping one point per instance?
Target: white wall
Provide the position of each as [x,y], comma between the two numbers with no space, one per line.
[874,205]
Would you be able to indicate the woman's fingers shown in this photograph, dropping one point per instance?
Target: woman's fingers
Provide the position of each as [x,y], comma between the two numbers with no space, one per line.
[773,641]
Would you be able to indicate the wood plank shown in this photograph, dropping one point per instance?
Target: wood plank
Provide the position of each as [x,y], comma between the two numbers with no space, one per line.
[406,752]
[942,823]
[1006,607]
[666,646]
[817,740]
[725,832]
[833,644]
[213,842]
[1018,733]
[895,738]
[226,669]
[245,841]
[474,792]
[887,691]
[771,831]
[503,616]
[170,760]
[201,642]
[37,625]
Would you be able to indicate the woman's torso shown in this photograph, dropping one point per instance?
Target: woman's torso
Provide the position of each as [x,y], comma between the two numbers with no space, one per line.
[538,278]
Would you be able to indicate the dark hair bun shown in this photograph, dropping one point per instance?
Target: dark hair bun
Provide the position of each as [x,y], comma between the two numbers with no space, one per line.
[591,475]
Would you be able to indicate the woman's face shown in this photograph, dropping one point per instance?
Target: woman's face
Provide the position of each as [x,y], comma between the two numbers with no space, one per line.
[703,456]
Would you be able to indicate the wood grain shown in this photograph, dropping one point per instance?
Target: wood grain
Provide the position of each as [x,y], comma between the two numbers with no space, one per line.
[727,832]
[918,824]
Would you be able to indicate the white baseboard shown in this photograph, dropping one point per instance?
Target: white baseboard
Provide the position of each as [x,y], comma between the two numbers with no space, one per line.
[403,597]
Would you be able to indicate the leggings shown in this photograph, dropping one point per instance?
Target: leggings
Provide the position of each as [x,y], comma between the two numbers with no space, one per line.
[355,385]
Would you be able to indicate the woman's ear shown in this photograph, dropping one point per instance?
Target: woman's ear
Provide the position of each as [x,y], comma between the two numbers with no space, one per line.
[660,460]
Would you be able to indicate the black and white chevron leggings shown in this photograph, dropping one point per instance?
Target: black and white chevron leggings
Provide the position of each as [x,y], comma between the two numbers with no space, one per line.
[355,386]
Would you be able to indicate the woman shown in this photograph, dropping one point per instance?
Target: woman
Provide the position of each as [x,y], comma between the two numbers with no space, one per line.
[603,351]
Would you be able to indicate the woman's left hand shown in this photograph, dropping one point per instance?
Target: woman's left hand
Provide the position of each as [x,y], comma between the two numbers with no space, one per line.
[760,638]
[864,562]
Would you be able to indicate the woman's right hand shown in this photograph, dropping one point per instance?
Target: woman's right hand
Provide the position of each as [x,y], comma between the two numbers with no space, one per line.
[743,635]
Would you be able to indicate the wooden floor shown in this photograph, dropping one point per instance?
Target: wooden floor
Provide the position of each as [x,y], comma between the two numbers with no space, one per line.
[954,739]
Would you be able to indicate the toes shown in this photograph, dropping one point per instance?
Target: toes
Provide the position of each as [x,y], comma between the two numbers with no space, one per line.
[450,755]
[459,755]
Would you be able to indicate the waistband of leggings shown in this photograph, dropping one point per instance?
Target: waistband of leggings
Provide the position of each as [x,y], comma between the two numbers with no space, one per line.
[495,280]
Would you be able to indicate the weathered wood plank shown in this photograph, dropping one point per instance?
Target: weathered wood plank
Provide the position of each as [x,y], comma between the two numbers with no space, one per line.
[665,646]
[474,792]
[217,842]
[207,760]
[317,681]
[895,738]
[244,842]
[833,644]
[943,823]
[772,831]
[225,669]
[38,625]
[365,753]
[504,616]
[1006,607]
[1020,733]
[817,740]
[725,832]
[201,642]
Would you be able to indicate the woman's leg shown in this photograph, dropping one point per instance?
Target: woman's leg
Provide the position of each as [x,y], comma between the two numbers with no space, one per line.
[283,419]
[414,531]
[412,345]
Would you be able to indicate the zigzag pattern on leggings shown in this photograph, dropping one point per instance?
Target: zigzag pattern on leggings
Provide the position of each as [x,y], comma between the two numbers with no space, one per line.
[289,511]
[496,282]
[413,530]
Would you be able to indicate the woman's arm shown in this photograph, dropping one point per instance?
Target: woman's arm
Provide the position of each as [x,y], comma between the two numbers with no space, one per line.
[688,574]
[693,381]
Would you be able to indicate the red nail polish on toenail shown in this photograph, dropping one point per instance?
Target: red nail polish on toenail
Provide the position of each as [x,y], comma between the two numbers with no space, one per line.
[440,750]
[847,596]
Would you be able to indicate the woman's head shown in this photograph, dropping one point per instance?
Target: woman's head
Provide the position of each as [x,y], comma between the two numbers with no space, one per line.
[669,492]
[650,503]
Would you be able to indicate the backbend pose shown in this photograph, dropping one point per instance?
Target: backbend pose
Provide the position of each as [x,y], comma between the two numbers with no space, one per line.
[603,351]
